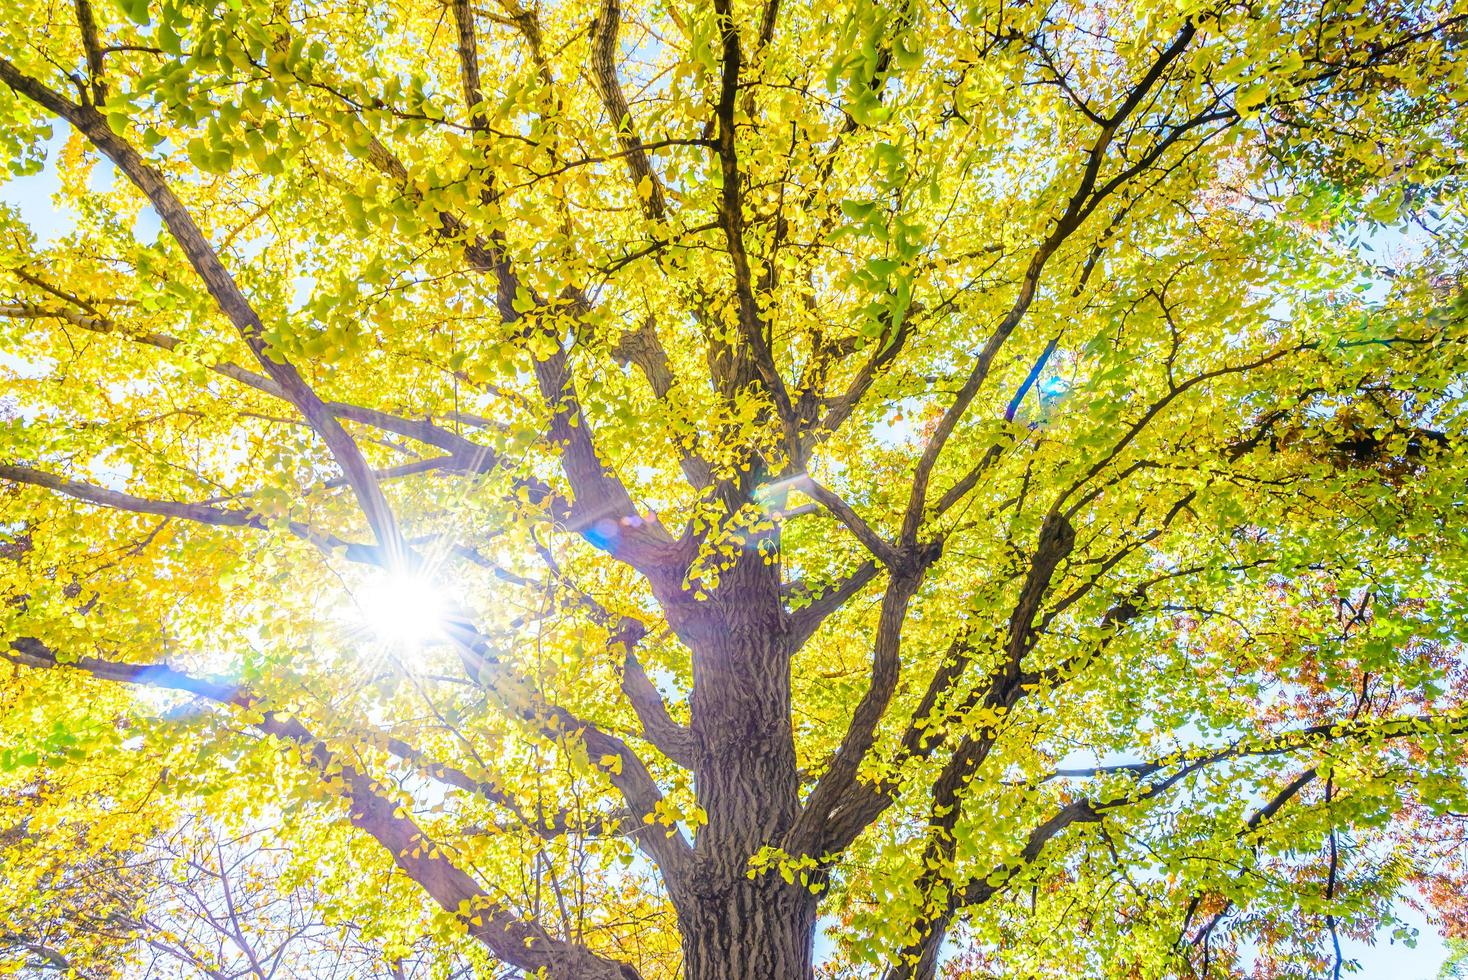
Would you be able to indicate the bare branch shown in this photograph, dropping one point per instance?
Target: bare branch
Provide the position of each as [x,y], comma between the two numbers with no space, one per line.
[670,738]
[880,548]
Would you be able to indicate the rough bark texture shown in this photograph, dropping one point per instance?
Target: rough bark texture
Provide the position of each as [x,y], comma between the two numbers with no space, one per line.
[734,926]
[743,929]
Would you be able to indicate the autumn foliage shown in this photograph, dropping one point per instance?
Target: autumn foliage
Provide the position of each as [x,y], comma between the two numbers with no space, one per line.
[745,490]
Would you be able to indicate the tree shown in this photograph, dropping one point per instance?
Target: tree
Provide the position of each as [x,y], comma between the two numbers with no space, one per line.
[625,490]
[1455,965]
[187,904]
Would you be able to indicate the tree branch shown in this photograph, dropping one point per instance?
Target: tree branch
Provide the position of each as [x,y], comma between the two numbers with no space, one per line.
[198,513]
[419,430]
[731,218]
[225,291]
[1081,203]
[804,621]
[522,944]
[919,960]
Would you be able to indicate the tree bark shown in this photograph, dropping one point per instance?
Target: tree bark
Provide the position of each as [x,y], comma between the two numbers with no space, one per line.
[735,927]
[745,929]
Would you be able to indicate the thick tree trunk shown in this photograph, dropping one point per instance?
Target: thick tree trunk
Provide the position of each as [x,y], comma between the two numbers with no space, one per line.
[762,929]
[735,927]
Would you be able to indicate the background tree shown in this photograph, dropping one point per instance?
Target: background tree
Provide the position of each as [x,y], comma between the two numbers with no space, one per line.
[624,485]
[1457,962]
[188,903]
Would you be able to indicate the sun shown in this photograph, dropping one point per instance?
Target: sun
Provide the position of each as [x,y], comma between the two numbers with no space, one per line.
[406,610]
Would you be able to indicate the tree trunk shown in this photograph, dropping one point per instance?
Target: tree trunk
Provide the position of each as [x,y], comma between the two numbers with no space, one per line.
[762,929]
[735,927]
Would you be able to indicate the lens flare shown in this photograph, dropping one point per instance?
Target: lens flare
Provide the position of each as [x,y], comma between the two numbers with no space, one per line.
[404,610]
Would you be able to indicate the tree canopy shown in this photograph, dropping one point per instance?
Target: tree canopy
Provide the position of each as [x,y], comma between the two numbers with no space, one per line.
[732,490]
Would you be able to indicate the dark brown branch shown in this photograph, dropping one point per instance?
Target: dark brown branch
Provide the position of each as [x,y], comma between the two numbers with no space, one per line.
[652,201]
[87,23]
[598,497]
[879,547]
[731,218]
[1083,200]
[841,408]
[803,622]
[643,348]
[808,833]
[1251,826]
[666,735]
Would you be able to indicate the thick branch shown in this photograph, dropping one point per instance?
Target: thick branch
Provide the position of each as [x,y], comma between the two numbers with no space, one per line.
[731,218]
[803,622]
[880,548]
[604,75]
[810,827]
[667,736]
